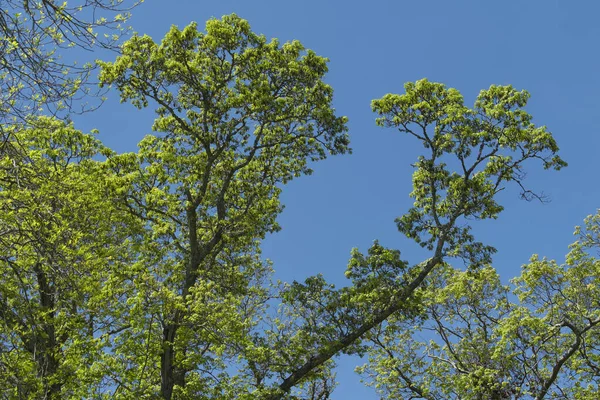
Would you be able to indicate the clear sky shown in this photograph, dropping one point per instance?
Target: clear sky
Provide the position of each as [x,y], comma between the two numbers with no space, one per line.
[549,47]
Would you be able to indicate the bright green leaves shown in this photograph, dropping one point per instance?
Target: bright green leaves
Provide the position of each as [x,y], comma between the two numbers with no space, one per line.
[451,351]
[563,310]
[479,339]
[33,74]
[231,82]
[57,142]
[472,154]
[323,317]
[141,275]
[240,115]
[424,103]
[237,117]
[376,278]
[514,131]
[58,245]
[381,265]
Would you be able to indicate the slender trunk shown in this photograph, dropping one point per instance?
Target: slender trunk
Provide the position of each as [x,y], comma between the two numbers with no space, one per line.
[167,378]
[170,374]
[44,344]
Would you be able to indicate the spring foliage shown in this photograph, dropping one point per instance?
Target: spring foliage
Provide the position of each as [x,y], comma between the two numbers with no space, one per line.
[140,274]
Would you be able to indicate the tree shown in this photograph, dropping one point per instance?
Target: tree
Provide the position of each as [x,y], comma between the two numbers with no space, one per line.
[479,339]
[58,246]
[239,116]
[33,77]
[472,154]
[140,275]
[242,116]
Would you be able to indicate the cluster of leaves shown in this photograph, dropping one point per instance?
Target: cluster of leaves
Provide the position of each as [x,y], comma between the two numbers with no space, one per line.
[59,245]
[472,154]
[479,339]
[35,75]
[239,116]
[178,283]
[140,274]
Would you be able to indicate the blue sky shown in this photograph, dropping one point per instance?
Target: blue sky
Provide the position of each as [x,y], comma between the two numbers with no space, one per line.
[548,47]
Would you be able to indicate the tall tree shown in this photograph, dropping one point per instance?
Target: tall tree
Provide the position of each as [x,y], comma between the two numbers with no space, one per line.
[237,117]
[58,245]
[471,154]
[478,339]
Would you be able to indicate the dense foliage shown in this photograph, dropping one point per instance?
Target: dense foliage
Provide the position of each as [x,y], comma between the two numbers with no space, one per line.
[139,275]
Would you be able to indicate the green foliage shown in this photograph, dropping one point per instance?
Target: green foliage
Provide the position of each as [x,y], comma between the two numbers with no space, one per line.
[58,245]
[140,274]
[238,116]
[537,339]
[473,152]
[33,37]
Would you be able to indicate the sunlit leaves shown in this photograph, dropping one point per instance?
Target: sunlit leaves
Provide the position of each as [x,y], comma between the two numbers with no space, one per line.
[473,152]
[238,116]
[537,339]
[34,78]
[58,246]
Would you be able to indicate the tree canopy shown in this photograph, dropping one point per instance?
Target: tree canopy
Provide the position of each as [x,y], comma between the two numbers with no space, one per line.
[127,275]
